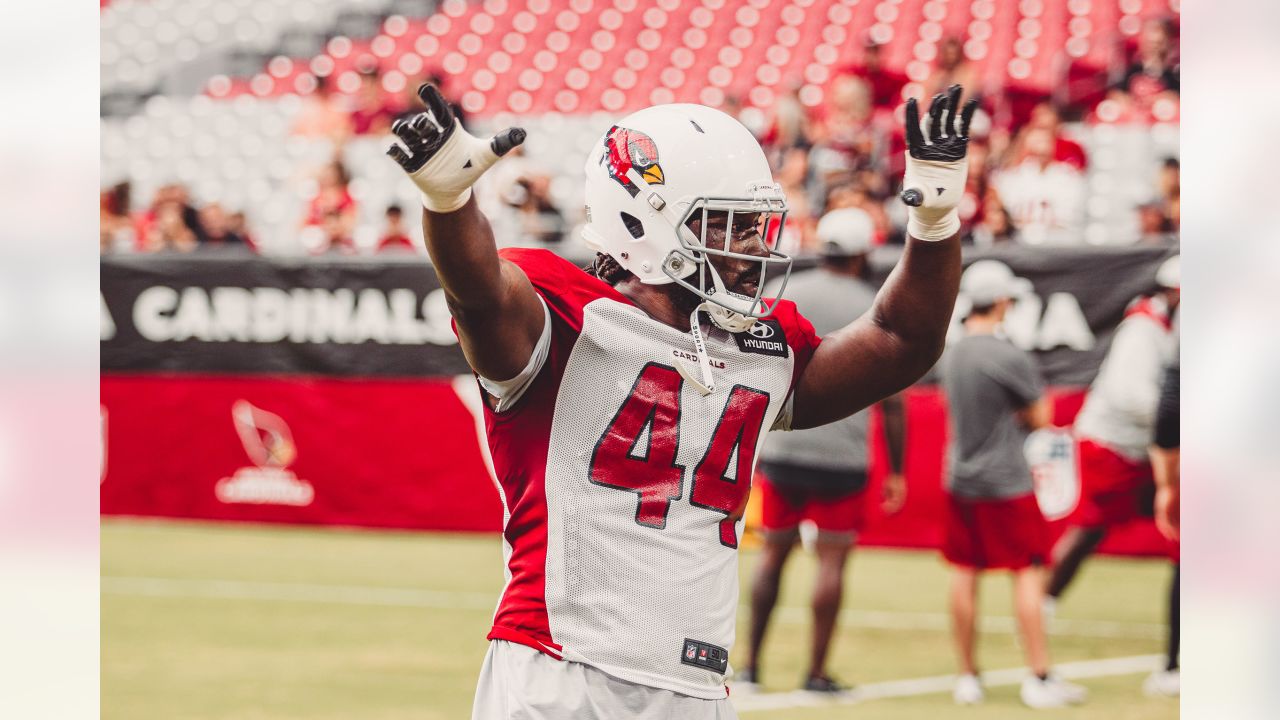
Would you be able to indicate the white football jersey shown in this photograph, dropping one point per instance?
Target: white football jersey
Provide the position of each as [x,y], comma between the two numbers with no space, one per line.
[625,488]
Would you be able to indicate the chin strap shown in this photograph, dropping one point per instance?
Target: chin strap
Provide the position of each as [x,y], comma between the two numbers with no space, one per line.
[708,383]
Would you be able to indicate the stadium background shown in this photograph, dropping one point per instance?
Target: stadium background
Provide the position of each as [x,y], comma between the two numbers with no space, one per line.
[221,125]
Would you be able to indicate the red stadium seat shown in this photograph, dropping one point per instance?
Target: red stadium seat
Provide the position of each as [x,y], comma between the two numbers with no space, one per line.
[635,47]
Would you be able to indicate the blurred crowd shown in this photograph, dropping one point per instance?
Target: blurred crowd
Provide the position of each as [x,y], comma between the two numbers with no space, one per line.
[1027,175]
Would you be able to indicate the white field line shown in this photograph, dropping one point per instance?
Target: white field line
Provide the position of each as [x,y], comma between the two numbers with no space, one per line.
[449,600]
[1078,670]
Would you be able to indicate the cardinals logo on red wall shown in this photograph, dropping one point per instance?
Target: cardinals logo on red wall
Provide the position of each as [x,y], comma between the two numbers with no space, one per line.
[269,444]
[627,149]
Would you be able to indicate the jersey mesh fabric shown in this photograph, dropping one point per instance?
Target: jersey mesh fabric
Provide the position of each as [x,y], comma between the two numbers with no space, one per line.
[619,594]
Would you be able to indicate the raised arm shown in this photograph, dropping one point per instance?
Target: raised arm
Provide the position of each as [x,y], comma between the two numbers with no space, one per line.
[902,336]
[498,314]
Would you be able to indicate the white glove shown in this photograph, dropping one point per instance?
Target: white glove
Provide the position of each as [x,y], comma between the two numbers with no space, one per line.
[444,160]
[934,181]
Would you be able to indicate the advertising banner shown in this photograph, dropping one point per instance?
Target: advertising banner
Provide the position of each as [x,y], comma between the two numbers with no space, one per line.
[332,391]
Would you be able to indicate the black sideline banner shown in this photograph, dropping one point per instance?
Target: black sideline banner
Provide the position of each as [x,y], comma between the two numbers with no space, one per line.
[233,313]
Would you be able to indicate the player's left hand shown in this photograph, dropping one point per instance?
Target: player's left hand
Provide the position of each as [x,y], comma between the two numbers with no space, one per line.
[893,494]
[937,169]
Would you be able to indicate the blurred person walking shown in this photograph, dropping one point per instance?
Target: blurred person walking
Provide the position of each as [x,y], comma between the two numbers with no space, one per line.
[821,475]
[1115,427]
[1165,457]
[994,397]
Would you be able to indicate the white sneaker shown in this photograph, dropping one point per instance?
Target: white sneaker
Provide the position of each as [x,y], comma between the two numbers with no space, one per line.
[968,690]
[1163,683]
[1052,692]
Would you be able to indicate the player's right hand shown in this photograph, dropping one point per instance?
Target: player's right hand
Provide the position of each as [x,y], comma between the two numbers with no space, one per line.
[937,169]
[443,159]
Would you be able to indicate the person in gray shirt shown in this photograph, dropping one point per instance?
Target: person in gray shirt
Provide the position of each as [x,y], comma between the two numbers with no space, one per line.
[994,396]
[820,474]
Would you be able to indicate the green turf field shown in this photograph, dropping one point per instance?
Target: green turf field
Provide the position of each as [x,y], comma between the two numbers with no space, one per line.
[254,622]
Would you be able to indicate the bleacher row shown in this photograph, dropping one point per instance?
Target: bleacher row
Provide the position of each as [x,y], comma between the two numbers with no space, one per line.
[240,152]
[563,69]
[622,54]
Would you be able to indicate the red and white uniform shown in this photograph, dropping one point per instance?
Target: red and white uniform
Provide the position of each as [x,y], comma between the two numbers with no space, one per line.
[623,487]
[1117,422]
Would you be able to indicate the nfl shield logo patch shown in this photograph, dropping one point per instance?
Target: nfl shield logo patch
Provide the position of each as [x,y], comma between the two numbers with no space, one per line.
[691,651]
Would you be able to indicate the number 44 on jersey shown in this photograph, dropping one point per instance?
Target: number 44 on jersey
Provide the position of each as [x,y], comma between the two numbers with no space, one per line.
[651,471]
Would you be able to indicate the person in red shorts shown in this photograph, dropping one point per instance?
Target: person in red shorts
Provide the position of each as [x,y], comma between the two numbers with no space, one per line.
[1115,427]
[994,396]
[820,475]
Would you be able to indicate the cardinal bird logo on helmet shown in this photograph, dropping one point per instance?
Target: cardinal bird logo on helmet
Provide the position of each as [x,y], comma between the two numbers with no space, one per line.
[626,149]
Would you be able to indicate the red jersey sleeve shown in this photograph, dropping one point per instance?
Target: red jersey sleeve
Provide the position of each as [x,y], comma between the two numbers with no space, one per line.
[565,287]
[801,337]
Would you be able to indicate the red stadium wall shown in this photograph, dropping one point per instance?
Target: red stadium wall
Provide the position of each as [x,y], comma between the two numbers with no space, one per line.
[369,452]
[394,454]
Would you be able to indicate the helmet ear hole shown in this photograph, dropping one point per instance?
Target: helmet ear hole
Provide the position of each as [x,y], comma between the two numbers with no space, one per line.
[634,226]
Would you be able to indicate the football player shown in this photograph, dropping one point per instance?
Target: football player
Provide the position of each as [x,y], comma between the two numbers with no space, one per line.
[994,397]
[625,406]
[1115,427]
[820,475]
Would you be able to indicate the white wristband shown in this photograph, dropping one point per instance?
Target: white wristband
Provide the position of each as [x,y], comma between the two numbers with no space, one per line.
[935,229]
[445,204]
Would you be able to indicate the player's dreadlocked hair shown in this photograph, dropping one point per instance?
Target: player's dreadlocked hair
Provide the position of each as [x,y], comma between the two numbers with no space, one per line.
[608,269]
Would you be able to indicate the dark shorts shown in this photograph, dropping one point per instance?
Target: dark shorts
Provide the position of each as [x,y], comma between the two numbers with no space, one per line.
[833,501]
[1114,490]
[1007,534]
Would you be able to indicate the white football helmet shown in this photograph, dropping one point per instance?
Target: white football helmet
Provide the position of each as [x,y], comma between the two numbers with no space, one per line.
[657,169]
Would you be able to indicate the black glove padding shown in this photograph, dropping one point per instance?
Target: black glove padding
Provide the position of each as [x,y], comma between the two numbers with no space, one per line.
[425,133]
[951,147]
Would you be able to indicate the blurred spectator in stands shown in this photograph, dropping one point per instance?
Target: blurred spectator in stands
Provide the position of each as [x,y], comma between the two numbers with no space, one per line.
[977,184]
[1169,185]
[792,124]
[995,225]
[394,238]
[336,234]
[169,199]
[168,231]
[793,175]
[538,220]
[750,117]
[951,68]
[374,110]
[886,85]
[1154,227]
[1155,70]
[332,210]
[239,224]
[848,125]
[1046,198]
[1065,150]
[323,114]
[218,230]
[857,194]
[115,227]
